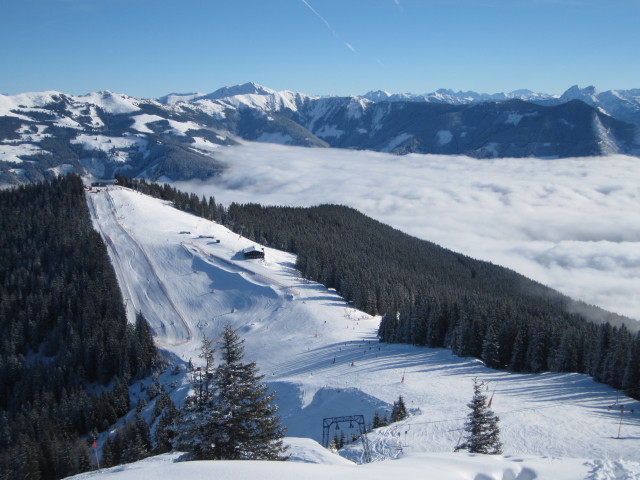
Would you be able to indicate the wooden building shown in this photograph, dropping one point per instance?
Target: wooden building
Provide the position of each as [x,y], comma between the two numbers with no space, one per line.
[253,252]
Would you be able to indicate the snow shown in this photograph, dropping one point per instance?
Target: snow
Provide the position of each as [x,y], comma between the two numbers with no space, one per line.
[25,101]
[67,122]
[451,466]
[395,142]
[211,107]
[14,153]
[28,136]
[13,105]
[181,128]
[21,172]
[377,122]
[140,122]
[357,107]
[444,137]
[256,96]
[514,118]
[110,145]
[174,98]
[204,144]
[607,142]
[110,102]
[322,359]
[329,131]
[62,169]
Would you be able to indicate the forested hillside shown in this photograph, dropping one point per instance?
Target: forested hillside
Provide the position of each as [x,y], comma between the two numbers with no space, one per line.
[67,351]
[435,297]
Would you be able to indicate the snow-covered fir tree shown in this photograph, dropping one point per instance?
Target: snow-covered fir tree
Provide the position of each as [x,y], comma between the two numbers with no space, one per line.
[483,433]
[230,414]
[379,420]
[196,424]
[399,410]
[248,427]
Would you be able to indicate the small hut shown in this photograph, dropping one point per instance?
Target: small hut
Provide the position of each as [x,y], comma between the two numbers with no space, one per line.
[253,252]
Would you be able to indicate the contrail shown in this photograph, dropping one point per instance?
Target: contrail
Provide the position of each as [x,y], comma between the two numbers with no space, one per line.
[328,25]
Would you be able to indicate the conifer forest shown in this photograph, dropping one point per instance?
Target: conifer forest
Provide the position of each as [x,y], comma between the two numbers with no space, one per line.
[67,352]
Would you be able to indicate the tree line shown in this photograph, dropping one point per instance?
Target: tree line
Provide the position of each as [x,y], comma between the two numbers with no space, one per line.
[431,296]
[67,352]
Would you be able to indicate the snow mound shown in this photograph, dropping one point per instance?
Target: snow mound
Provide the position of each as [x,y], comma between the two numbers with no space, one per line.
[451,466]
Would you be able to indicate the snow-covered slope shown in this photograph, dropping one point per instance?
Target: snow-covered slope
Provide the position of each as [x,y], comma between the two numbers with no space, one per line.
[622,104]
[450,466]
[322,358]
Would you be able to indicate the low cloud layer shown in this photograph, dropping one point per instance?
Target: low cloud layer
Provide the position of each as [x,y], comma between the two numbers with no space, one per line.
[572,224]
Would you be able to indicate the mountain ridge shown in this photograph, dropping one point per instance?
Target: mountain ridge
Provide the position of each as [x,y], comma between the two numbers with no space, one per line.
[102,133]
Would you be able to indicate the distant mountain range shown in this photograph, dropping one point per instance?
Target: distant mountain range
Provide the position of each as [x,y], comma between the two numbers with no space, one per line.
[176,136]
[621,104]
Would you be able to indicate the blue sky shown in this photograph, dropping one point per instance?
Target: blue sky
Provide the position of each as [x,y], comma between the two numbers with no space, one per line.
[148,48]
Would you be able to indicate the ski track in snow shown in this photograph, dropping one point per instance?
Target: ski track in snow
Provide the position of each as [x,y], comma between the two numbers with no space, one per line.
[322,358]
[154,290]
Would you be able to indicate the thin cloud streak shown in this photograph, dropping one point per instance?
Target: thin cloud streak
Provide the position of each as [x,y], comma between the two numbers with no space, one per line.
[328,25]
[572,224]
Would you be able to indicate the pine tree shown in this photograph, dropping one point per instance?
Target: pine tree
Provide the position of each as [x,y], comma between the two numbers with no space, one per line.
[399,410]
[379,420]
[491,347]
[483,434]
[230,415]
[196,423]
[248,427]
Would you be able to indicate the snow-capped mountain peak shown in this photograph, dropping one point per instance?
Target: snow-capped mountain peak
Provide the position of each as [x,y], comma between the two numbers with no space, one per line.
[173,98]
[588,94]
[377,95]
[110,102]
[249,88]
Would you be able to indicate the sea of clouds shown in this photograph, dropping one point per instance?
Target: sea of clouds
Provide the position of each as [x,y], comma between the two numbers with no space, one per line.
[572,224]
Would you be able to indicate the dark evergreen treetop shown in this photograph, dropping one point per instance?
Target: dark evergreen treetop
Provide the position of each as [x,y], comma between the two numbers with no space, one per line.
[399,410]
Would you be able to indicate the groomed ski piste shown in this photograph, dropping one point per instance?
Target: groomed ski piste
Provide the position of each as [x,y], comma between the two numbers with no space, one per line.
[322,358]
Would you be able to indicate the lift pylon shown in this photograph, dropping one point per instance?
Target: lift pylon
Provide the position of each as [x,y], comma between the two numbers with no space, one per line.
[359,420]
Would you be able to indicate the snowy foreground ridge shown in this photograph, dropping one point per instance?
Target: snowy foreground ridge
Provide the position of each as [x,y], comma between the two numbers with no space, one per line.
[432,466]
[322,359]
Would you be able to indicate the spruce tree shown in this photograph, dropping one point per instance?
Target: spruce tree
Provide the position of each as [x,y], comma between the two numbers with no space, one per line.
[229,415]
[399,410]
[196,424]
[379,420]
[483,434]
[248,427]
